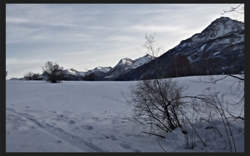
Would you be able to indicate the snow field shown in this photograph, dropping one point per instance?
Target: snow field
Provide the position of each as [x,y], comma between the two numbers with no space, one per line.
[84,116]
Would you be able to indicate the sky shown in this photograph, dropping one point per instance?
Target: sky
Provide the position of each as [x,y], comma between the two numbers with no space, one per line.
[85,36]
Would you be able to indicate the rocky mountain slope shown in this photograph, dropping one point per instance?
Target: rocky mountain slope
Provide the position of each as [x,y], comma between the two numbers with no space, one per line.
[218,49]
[126,64]
[107,73]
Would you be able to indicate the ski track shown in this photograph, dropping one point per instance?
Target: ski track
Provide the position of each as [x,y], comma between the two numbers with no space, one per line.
[60,133]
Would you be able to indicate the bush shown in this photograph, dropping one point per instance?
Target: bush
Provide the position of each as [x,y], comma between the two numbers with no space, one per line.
[28,76]
[32,76]
[157,103]
[53,72]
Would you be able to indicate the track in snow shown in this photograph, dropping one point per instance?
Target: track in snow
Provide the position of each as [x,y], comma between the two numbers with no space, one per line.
[60,133]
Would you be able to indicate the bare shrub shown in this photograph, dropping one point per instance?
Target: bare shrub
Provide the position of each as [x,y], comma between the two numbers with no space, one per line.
[203,119]
[157,104]
[28,76]
[213,120]
[53,72]
[32,76]
[216,103]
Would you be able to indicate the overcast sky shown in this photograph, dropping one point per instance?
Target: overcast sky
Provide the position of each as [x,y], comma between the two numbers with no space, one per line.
[84,36]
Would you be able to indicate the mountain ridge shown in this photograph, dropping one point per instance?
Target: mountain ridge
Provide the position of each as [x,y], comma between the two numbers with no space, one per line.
[217,49]
[196,55]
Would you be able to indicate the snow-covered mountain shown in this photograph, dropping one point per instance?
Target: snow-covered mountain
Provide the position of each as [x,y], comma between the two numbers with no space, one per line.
[108,73]
[103,73]
[142,60]
[218,28]
[72,74]
[98,72]
[218,49]
[75,72]
[98,69]
[127,64]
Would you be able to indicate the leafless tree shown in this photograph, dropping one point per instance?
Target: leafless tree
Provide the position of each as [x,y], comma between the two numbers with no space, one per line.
[53,72]
[151,46]
[28,76]
[214,104]
[239,8]
[157,102]
[160,104]
[237,11]
[238,82]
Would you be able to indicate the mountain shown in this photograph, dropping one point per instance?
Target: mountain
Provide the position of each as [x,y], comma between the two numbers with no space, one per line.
[97,73]
[126,64]
[142,60]
[218,49]
[107,73]
[72,74]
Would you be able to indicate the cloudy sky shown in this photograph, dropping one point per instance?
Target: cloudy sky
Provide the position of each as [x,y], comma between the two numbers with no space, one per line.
[84,36]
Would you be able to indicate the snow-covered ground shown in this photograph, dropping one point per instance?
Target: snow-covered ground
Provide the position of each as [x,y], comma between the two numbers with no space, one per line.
[84,116]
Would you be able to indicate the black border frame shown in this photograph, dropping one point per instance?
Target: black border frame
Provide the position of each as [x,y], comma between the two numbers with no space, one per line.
[3,4]
[2,76]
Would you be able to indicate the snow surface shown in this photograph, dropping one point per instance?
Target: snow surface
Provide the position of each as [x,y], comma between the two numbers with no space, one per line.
[84,116]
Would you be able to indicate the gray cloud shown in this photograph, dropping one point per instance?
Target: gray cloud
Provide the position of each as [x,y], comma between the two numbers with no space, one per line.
[83,36]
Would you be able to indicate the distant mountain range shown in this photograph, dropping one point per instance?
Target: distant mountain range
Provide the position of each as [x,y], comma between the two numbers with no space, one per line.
[108,73]
[218,49]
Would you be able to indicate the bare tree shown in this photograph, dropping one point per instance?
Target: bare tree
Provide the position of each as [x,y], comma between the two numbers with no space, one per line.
[53,72]
[32,76]
[219,122]
[238,83]
[161,105]
[28,76]
[237,11]
[239,8]
[157,102]
[151,46]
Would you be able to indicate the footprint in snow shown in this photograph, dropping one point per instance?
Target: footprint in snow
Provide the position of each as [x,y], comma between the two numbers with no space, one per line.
[96,118]
[112,137]
[88,127]
[72,122]
[124,145]
[123,121]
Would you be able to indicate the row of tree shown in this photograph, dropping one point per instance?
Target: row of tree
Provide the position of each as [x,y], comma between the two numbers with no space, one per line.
[52,72]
